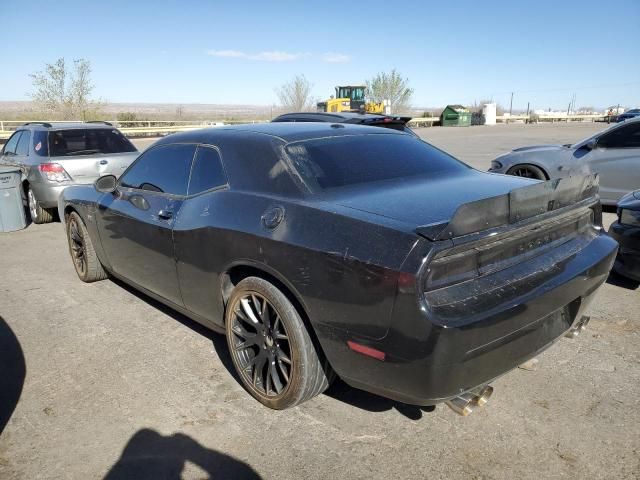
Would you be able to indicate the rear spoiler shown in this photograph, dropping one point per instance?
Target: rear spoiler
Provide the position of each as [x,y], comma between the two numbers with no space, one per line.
[386,119]
[513,207]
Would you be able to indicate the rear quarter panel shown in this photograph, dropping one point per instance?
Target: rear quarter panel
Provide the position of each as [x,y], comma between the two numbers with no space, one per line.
[343,270]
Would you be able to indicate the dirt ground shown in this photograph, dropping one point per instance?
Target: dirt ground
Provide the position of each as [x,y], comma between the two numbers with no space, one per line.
[114,385]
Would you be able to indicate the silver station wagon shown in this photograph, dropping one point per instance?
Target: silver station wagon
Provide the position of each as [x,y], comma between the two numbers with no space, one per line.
[54,156]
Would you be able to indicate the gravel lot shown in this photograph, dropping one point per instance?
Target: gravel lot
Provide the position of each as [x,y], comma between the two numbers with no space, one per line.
[118,386]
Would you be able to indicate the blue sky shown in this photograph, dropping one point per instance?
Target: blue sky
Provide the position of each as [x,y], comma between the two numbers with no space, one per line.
[238,52]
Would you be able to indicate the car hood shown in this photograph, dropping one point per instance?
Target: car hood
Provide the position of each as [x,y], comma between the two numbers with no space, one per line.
[424,201]
[630,201]
[541,148]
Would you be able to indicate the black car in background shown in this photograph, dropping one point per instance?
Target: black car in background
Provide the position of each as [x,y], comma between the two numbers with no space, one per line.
[626,231]
[356,251]
[393,122]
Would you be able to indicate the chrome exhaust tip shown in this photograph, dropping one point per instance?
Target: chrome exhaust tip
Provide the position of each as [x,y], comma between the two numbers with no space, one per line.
[466,403]
[579,327]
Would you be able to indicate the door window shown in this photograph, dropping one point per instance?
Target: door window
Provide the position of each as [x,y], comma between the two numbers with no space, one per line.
[23,144]
[207,171]
[627,136]
[163,169]
[12,143]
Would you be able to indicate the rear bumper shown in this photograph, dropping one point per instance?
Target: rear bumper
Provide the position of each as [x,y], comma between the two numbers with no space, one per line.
[427,363]
[628,260]
[48,194]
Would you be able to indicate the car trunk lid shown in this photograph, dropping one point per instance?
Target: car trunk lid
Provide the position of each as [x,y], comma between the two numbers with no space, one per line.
[424,201]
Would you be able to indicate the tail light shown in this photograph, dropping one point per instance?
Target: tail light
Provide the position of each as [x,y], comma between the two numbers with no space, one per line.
[54,172]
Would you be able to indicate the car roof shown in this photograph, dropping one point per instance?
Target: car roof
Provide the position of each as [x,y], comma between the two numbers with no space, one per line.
[339,117]
[285,131]
[65,125]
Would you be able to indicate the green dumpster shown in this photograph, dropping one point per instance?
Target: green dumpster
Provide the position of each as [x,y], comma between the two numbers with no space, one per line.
[455,116]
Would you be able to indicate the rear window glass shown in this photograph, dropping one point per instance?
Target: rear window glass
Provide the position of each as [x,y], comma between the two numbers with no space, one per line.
[65,143]
[341,161]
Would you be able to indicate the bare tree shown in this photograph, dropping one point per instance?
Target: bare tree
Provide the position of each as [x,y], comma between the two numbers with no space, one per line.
[295,96]
[390,86]
[64,91]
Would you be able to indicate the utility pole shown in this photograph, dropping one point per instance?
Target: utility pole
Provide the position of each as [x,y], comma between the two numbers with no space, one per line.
[511,104]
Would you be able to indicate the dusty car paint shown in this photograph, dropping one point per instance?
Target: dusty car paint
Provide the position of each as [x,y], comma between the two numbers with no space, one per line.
[356,261]
[626,231]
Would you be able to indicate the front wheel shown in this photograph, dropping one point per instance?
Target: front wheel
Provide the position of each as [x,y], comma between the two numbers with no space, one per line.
[270,346]
[527,171]
[85,260]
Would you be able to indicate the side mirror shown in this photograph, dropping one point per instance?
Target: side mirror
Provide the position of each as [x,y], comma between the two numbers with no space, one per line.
[591,144]
[106,184]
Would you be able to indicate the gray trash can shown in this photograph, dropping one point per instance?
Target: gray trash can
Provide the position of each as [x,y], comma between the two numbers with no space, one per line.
[11,208]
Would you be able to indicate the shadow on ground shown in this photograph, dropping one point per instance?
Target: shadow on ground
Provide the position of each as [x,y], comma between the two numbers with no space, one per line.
[339,390]
[150,455]
[12,372]
[622,282]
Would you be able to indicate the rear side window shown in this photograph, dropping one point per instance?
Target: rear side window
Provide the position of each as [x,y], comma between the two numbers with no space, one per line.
[207,171]
[341,161]
[23,144]
[81,141]
[163,169]
[40,143]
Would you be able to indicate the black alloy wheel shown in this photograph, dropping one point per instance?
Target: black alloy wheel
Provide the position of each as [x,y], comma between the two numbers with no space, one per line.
[261,345]
[77,246]
[271,346]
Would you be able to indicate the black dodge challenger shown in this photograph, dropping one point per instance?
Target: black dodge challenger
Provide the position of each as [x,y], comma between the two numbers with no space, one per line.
[626,231]
[334,249]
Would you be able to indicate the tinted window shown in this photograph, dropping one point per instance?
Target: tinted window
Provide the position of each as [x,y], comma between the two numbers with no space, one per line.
[23,144]
[88,141]
[40,143]
[627,136]
[161,169]
[207,171]
[12,143]
[340,161]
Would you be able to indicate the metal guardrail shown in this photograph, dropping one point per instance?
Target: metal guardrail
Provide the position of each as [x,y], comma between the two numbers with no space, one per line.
[163,127]
[419,121]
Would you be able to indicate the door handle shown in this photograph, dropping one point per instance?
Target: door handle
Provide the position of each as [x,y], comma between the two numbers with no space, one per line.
[165,214]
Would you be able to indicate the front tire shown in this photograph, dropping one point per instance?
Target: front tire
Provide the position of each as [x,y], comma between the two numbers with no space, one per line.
[85,260]
[38,213]
[270,346]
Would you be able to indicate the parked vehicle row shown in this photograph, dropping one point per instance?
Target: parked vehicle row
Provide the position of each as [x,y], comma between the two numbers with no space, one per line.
[333,249]
[323,247]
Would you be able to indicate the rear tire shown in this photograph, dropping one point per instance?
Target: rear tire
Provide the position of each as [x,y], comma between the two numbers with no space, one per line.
[527,171]
[270,346]
[85,260]
[38,213]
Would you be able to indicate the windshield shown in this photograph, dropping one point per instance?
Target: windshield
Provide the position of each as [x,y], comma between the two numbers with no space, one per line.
[65,143]
[357,159]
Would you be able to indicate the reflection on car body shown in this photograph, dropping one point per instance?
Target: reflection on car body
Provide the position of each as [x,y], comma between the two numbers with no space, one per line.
[359,251]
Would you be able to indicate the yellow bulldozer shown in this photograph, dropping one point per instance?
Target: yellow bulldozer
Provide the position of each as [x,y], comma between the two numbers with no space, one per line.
[350,98]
